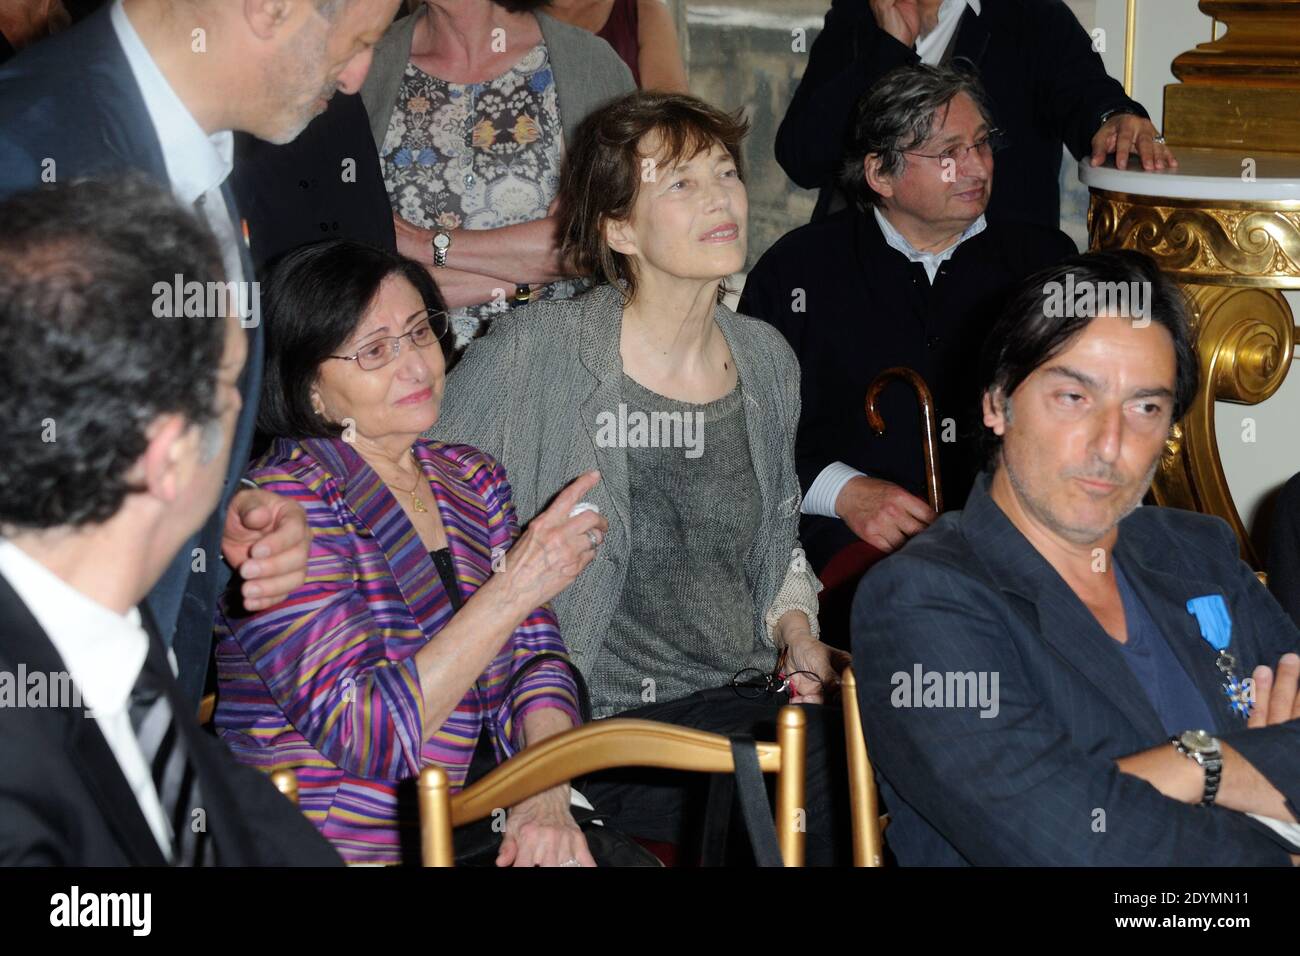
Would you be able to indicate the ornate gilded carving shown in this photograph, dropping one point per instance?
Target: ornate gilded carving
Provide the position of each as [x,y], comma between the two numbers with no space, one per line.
[1243,337]
[1232,258]
[1205,242]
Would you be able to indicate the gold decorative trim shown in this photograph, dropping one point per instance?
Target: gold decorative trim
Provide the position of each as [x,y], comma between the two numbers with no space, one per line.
[1208,242]
[1232,257]
[1130,42]
[1245,340]
[1138,199]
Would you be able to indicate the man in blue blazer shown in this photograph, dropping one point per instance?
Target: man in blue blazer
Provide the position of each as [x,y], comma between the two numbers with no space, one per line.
[1054,675]
[157,86]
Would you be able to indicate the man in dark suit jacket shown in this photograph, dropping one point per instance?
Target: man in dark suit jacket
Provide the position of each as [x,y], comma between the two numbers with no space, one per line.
[1284,548]
[1054,675]
[912,275]
[326,184]
[126,89]
[104,762]
[1046,84]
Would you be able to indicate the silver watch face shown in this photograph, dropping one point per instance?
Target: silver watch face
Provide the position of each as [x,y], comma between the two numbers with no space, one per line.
[1197,741]
[441,240]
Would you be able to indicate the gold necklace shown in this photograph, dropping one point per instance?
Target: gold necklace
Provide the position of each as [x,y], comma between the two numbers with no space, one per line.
[416,503]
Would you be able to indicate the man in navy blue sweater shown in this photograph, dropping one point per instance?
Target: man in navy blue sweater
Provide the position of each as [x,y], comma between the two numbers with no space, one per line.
[913,274]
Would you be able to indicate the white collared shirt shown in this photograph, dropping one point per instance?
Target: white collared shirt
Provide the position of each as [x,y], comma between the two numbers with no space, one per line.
[930,48]
[830,481]
[930,260]
[197,164]
[104,653]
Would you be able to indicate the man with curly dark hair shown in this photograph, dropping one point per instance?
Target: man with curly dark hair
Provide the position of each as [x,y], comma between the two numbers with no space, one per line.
[117,426]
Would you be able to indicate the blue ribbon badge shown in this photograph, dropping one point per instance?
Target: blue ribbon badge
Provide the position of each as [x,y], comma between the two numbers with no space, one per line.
[1211,613]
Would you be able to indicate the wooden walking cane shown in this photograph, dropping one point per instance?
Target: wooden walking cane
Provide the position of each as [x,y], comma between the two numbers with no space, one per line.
[930,442]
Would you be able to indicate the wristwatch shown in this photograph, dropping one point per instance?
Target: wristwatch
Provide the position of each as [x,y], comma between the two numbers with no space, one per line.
[441,243]
[1115,112]
[1199,746]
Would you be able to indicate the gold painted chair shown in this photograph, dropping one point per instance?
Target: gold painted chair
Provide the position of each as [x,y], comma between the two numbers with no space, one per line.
[604,745]
[864,803]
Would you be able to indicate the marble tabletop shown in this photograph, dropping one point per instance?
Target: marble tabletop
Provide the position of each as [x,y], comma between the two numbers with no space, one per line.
[1209,174]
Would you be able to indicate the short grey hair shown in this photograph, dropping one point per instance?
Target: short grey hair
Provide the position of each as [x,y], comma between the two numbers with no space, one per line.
[897,115]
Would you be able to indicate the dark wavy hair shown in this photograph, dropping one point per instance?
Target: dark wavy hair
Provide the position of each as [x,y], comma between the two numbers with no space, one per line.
[86,363]
[314,300]
[603,168]
[1026,336]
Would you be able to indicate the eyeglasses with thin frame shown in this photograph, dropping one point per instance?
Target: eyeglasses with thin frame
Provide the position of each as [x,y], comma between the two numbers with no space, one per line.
[375,355]
[989,143]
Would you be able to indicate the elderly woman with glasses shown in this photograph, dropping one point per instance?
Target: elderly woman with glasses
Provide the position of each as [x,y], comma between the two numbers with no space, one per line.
[421,634]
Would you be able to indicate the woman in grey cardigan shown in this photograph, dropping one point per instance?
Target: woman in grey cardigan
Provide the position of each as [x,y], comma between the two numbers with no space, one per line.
[689,413]
[470,104]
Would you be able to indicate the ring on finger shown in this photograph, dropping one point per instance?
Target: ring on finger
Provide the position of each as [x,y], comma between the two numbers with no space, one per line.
[571,861]
[594,537]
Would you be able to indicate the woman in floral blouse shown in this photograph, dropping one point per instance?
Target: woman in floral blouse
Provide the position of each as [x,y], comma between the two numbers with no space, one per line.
[471,102]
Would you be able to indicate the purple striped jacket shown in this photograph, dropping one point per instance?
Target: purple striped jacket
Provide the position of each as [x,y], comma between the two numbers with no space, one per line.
[325,683]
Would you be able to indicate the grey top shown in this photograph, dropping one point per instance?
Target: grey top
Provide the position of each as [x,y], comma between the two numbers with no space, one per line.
[588,73]
[685,618]
[534,393]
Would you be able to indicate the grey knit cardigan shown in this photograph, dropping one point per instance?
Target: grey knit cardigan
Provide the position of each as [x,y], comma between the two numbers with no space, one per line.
[588,73]
[529,392]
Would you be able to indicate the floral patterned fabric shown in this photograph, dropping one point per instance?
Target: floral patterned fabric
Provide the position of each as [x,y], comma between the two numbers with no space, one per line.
[477,156]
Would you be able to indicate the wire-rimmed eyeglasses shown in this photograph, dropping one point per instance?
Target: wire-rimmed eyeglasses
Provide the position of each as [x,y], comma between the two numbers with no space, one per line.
[991,142]
[380,352]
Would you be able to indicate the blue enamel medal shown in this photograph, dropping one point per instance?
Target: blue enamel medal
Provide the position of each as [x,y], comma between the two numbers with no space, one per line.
[1211,613]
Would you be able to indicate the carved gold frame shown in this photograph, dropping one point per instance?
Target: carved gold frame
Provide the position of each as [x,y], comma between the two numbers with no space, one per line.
[1232,258]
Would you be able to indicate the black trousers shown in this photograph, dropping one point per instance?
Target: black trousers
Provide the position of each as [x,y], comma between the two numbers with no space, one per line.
[669,806]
